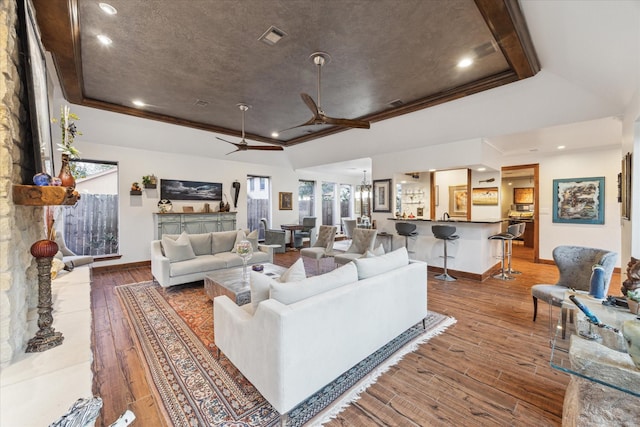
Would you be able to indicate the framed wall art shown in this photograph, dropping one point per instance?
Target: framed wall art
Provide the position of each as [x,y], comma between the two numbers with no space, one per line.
[625,187]
[484,196]
[578,200]
[285,201]
[174,189]
[523,196]
[458,200]
[382,195]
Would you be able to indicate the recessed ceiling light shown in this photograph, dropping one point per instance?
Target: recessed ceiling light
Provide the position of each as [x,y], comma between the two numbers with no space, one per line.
[275,134]
[108,9]
[432,170]
[561,147]
[104,39]
[465,62]
[138,103]
[511,183]
[482,169]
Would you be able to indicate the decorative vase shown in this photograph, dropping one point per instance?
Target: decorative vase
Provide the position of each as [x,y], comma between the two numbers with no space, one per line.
[46,337]
[65,173]
[634,306]
[244,249]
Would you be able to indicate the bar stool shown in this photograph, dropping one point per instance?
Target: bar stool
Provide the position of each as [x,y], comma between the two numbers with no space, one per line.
[509,235]
[519,231]
[445,233]
[407,230]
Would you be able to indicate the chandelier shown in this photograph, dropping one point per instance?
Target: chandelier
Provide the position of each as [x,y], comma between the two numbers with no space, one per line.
[365,186]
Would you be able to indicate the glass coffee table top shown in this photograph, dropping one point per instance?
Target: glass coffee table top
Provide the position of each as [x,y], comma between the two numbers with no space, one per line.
[598,354]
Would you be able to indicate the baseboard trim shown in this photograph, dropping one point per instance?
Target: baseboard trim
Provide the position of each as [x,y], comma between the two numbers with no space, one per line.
[126,266]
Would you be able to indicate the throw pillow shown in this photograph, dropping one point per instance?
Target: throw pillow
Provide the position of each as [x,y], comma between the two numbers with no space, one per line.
[289,293]
[253,238]
[295,273]
[369,267]
[376,252]
[179,249]
[223,241]
[261,283]
[240,236]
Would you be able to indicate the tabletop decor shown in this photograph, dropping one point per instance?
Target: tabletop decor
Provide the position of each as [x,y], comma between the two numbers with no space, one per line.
[244,249]
[69,132]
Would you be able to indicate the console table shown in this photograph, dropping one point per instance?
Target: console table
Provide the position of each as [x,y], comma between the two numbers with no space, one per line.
[604,388]
[193,223]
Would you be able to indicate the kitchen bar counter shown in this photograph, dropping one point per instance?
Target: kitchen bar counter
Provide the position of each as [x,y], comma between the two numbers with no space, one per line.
[474,255]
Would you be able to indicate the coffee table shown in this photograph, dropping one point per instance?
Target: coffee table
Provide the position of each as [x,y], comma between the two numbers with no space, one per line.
[229,282]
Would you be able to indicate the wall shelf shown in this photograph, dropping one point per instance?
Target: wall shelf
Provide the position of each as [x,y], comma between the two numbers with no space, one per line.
[34,195]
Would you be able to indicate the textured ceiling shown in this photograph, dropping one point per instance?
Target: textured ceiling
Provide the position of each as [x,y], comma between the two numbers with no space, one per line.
[193,62]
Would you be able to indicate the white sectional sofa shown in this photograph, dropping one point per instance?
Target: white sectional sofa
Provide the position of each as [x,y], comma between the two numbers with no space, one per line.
[184,258]
[307,333]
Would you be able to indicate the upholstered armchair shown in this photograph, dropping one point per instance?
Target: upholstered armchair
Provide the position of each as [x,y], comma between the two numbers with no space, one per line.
[274,237]
[308,224]
[323,246]
[575,266]
[348,225]
[363,240]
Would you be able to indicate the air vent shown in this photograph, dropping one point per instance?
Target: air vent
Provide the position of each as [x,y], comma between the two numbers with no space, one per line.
[396,103]
[272,36]
[484,49]
[201,103]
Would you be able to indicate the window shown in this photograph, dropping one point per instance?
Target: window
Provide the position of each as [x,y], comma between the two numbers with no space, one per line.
[306,199]
[329,207]
[346,204]
[258,202]
[91,226]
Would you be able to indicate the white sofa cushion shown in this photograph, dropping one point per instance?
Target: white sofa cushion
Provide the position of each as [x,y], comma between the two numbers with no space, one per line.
[368,267]
[197,265]
[261,283]
[223,241]
[201,243]
[179,249]
[289,293]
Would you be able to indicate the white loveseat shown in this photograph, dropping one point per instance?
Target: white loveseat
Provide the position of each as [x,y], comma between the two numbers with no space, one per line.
[291,350]
[209,252]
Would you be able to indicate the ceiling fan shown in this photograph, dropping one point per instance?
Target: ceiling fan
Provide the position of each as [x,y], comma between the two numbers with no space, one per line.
[319,117]
[242,145]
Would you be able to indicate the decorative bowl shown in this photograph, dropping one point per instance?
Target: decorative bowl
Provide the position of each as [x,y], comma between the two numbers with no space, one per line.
[257,267]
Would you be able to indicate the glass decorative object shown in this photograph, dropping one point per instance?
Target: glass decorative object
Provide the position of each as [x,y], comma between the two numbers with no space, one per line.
[245,250]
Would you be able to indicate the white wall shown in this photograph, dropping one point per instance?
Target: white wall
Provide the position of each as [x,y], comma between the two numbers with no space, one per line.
[604,163]
[136,219]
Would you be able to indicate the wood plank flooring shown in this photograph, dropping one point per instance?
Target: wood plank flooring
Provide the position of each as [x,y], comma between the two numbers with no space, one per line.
[490,368]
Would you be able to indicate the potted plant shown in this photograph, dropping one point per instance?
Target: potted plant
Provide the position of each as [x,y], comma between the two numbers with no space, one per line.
[633,299]
[135,189]
[149,181]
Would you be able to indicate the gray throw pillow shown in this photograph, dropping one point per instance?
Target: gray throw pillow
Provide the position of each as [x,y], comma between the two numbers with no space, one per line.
[179,249]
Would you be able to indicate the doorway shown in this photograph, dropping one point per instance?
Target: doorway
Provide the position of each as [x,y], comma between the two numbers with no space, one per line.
[520,203]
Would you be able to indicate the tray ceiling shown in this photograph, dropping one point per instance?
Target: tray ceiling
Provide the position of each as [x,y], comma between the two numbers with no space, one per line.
[191,63]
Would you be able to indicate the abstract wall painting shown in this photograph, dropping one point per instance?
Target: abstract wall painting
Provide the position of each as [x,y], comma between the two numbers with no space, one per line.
[578,200]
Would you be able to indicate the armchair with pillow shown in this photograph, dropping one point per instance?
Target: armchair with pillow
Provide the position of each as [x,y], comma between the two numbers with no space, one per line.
[363,240]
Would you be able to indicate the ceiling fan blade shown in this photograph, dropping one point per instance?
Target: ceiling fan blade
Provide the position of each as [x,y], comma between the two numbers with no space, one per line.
[311,121]
[311,104]
[222,139]
[359,124]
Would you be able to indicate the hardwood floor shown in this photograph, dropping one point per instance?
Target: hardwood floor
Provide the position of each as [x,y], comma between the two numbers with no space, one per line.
[490,368]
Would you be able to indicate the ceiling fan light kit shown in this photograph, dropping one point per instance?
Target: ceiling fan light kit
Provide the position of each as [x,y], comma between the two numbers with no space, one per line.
[243,145]
[320,59]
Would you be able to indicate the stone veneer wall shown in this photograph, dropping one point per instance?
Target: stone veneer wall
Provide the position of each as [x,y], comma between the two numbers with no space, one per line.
[20,226]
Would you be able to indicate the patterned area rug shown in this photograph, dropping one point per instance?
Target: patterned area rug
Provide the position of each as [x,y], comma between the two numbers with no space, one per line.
[174,329]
